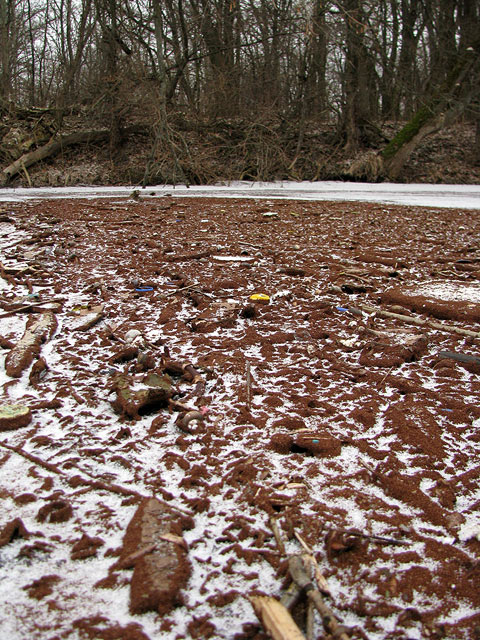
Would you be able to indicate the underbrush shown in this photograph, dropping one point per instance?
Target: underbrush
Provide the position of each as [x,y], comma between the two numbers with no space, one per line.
[195,151]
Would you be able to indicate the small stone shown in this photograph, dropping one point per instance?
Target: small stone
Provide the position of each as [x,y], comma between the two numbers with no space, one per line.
[14,416]
[131,335]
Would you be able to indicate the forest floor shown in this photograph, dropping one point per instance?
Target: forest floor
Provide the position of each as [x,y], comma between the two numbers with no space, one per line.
[206,152]
[176,442]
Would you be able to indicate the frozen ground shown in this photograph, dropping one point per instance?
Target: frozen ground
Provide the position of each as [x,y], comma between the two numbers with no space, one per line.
[425,195]
[348,426]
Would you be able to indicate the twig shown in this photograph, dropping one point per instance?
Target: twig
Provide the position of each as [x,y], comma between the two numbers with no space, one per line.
[90,482]
[248,380]
[172,293]
[322,583]
[278,536]
[291,596]
[330,622]
[368,536]
[28,306]
[310,621]
[78,398]
[379,384]
[303,543]
[247,244]
[130,560]
[190,373]
[421,322]
[352,275]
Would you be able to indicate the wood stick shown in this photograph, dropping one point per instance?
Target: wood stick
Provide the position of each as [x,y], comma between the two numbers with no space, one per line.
[385,377]
[278,536]
[368,536]
[28,306]
[172,293]
[310,563]
[248,379]
[248,244]
[310,621]
[300,576]
[130,560]
[88,481]
[291,596]
[275,618]
[420,322]
[459,357]
[303,543]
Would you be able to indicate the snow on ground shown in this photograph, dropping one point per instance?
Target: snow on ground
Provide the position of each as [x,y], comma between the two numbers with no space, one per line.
[403,425]
[425,195]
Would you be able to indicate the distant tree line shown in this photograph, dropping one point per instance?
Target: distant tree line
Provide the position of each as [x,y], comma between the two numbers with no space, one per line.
[352,64]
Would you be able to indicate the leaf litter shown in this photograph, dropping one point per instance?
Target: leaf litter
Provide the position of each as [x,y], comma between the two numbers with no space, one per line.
[338,424]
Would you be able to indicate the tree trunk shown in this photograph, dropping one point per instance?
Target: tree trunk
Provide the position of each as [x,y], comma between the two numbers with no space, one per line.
[51,149]
[429,118]
[476,149]
[406,85]
[7,8]
[315,83]
[358,86]
[108,21]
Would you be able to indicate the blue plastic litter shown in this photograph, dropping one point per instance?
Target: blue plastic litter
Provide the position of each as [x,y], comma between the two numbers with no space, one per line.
[141,289]
[341,308]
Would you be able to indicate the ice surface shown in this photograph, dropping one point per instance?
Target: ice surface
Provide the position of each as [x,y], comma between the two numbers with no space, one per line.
[426,195]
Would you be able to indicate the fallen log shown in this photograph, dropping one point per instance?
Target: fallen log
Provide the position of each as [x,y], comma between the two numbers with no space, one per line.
[470,363]
[50,149]
[446,103]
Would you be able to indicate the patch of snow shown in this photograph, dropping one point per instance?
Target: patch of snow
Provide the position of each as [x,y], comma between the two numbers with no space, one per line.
[449,291]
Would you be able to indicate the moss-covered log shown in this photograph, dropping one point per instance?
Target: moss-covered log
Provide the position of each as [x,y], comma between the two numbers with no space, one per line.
[409,131]
[428,118]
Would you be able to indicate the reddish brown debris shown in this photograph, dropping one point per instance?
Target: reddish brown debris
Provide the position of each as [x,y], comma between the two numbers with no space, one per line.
[39,329]
[160,574]
[13,530]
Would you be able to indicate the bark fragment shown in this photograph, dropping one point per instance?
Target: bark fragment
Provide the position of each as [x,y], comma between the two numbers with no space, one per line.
[38,331]
[159,575]
[132,404]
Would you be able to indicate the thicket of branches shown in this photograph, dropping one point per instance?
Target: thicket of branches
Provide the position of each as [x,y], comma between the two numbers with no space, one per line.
[348,64]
